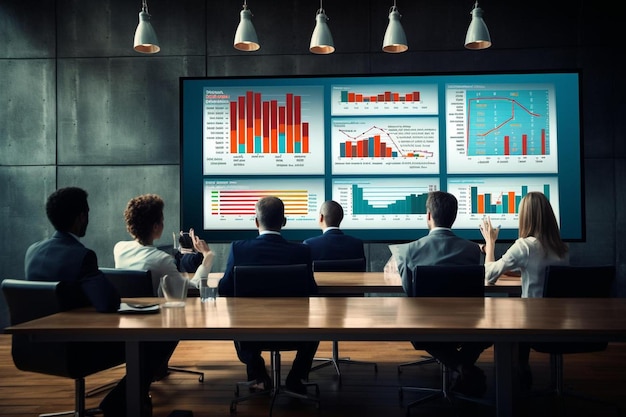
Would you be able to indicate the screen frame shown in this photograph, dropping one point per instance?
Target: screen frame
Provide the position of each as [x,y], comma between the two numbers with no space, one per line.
[191,200]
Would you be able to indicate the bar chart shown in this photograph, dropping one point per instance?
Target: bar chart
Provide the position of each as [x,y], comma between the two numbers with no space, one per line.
[501,127]
[348,96]
[504,202]
[384,100]
[264,126]
[263,129]
[229,203]
[385,145]
[383,199]
[498,198]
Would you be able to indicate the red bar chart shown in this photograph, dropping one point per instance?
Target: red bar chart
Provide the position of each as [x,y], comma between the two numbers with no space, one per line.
[348,96]
[267,126]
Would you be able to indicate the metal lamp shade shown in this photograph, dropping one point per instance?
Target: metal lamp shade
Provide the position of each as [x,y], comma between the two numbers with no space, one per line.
[395,39]
[146,40]
[245,36]
[477,34]
[322,39]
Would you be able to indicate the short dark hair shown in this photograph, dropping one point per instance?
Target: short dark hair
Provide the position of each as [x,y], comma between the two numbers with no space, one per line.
[270,213]
[442,207]
[65,205]
[332,212]
[141,214]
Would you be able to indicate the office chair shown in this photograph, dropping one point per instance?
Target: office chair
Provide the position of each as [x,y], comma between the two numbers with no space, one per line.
[339,265]
[138,283]
[573,282]
[272,281]
[29,300]
[443,281]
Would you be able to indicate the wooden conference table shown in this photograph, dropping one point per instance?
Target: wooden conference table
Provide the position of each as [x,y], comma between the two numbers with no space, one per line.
[348,283]
[505,321]
[361,283]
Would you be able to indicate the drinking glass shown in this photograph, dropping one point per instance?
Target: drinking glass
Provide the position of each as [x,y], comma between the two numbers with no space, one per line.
[208,289]
[174,290]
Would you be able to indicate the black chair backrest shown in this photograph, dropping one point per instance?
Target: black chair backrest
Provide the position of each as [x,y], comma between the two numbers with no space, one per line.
[339,265]
[272,281]
[130,283]
[30,300]
[578,281]
[447,281]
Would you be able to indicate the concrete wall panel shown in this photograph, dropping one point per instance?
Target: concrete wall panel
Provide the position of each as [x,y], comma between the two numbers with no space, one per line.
[23,193]
[107,109]
[28,115]
[287,65]
[27,29]
[108,28]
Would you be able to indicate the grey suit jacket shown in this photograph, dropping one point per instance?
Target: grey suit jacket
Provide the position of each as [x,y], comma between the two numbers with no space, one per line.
[439,247]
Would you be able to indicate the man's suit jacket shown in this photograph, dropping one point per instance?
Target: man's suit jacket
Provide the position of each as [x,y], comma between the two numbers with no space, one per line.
[334,244]
[266,249]
[439,247]
[64,258]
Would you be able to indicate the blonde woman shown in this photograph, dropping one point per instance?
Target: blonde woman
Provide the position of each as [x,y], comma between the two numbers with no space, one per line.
[539,245]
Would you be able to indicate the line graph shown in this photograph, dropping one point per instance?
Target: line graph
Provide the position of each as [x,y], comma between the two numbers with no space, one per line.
[508,123]
[514,104]
[377,142]
[384,145]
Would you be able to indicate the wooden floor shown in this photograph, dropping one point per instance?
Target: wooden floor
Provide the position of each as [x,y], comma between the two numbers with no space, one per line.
[362,392]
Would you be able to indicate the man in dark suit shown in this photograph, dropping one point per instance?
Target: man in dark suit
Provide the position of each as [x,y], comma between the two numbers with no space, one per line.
[442,247]
[333,243]
[64,258]
[270,248]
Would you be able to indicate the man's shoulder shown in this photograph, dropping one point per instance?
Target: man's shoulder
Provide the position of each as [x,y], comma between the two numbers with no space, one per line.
[314,239]
[58,240]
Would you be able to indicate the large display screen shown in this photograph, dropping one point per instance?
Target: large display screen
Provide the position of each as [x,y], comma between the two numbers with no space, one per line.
[378,145]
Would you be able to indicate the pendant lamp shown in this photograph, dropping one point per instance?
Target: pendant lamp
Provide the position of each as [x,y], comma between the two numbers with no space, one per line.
[146,40]
[477,34]
[245,36]
[394,41]
[322,39]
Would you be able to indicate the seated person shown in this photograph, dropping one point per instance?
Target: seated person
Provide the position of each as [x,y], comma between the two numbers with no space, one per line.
[333,243]
[270,248]
[63,257]
[442,247]
[539,245]
[144,222]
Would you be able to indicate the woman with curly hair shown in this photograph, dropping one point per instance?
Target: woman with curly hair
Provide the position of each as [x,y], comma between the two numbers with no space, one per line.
[144,221]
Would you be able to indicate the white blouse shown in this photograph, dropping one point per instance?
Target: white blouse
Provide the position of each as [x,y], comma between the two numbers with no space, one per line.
[527,255]
[133,255]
